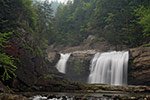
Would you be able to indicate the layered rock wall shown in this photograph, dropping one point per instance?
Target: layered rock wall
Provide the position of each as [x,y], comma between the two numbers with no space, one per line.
[139,67]
[78,65]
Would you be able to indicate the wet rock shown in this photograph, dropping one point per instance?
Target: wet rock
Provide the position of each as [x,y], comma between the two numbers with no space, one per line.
[4,96]
[31,69]
[51,96]
[64,98]
[78,66]
[53,57]
[141,56]
[132,98]
[3,88]
[139,67]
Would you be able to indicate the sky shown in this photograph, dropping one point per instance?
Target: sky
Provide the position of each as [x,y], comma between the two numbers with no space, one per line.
[62,1]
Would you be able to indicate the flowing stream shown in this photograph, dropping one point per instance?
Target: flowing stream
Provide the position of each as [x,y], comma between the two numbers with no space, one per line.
[91,96]
[109,68]
[61,65]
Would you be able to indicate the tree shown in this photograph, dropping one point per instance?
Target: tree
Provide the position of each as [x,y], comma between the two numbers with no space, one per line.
[144,19]
[44,22]
[113,20]
[21,26]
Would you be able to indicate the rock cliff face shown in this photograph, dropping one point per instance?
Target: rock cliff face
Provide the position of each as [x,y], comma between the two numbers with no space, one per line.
[91,43]
[139,67]
[31,64]
[78,65]
[34,69]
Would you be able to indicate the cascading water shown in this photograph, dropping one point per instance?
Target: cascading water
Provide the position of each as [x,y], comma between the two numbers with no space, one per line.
[109,68]
[61,65]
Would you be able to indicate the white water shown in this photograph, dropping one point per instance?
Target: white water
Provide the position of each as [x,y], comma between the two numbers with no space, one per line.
[39,97]
[109,68]
[61,65]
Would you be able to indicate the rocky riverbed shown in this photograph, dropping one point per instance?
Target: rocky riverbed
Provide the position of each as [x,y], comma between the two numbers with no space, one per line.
[75,96]
[85,92]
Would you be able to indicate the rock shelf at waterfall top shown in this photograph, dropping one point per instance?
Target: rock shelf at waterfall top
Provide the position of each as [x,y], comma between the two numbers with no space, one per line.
[85,52]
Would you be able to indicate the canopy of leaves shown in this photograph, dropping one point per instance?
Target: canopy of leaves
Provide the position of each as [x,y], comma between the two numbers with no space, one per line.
[115,20]
[144,18]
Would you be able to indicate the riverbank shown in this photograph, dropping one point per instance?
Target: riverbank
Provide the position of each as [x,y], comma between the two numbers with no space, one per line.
[86,92]
[75,96]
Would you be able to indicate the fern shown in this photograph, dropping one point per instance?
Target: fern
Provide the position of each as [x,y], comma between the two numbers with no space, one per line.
[7,67]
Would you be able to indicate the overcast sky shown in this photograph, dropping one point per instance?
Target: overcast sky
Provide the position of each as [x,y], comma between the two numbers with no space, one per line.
[63,1]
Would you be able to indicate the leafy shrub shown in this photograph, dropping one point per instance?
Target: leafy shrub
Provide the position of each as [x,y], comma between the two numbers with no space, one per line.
[7,66]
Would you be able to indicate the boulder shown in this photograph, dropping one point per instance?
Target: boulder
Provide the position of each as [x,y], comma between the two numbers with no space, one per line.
[53,57]
[78,65]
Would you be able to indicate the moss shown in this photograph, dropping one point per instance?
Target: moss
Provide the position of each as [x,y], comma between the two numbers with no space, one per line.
[78,67]
[146,45]
[49,76]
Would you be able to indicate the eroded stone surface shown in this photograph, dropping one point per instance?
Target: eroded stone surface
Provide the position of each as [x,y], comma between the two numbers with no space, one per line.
[6,96]
[139,73]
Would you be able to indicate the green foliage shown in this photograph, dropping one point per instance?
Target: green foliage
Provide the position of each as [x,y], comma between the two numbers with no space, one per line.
[113,20]
[31,24]
[7,67]
[78,67]
[144,19]
[44,28]
[147,45]
[54,6]
[71,20]
[3,38]
[29,13]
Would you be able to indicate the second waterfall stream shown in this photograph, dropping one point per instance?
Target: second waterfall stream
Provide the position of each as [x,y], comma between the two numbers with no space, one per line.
[109,68]
[61,65]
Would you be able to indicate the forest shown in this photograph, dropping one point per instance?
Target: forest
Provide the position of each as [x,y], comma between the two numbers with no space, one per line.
[29,26]
[117,21]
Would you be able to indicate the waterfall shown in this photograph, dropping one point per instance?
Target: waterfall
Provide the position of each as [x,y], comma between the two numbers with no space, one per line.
[109,68]
[61,65]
